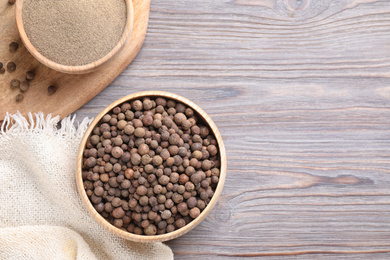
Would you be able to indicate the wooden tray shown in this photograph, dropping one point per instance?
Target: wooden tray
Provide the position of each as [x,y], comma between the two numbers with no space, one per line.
[73,91]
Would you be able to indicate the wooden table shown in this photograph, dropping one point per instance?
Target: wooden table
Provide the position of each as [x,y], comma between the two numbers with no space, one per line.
[300,91]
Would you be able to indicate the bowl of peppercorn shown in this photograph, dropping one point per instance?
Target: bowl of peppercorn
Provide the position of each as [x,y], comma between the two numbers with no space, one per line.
[151,166]
[73,36]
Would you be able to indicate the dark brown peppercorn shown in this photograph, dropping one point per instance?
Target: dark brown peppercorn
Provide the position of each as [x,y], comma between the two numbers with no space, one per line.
[177,198]
[144,200]
[117,152]
[139,132]
[169,203]
[179,118]
[118,212]
[183,179]
[147,120]
[99,191]
[13,46]
[142,190]
[137,105]
[191,202]
[180,223]
[150,230]
[174,177]
[51,90]
[11,66]
[116,202]
[30,75]
[143,149]
[166,214]
[19,98]
[194,212]
[15,84]
[163,180]
[182,207]
[2,70]
[157,160]
[196,178]
[99,207]
[170,228]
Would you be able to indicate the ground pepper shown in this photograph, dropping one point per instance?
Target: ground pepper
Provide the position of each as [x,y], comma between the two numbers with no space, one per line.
[74,32]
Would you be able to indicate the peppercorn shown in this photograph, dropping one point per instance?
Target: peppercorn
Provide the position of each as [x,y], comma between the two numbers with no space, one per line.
[99,191]
[11,2]
[2,70]
[170,228]
[137,105]
[121,124]
[118,212]
[15,84]
[139,132]
[30,75]
[179,118]
[51,90]
[11,66]
[150,230]
[117,152]
[19,98]
[180,223]
[99,207]
[194,212]
[166,214]
[13,46]
[144,200]
[182,207]
[142,190]
[169,202]
[1,65]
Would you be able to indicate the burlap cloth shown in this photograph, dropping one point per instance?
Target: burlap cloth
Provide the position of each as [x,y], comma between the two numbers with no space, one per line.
[41,214]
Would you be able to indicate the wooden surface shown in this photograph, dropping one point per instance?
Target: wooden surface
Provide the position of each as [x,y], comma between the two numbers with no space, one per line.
[300,91]
[73,91]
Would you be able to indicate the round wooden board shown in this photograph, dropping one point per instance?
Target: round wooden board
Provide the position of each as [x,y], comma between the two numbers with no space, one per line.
[73,91]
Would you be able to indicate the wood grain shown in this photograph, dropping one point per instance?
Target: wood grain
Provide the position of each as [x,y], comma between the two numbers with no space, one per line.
[73,91]
[301,95]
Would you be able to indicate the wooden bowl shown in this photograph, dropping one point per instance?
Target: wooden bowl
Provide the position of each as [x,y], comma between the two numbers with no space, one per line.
[179,232]
[75,69]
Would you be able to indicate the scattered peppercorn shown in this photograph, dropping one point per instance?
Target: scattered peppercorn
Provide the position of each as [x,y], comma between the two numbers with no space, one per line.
[11,66]
[13,46]
[51,90]
[19,98]
[15,84]
[24,86]
[2,70]
[11,2]
[1,65]
[150,166]
[30,75]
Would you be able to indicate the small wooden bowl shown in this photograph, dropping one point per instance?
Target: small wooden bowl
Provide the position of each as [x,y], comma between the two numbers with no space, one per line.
[75,69]
[177,233]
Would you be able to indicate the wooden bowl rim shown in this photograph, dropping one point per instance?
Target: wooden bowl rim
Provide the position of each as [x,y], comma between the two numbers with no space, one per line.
[179,232]
[79,69]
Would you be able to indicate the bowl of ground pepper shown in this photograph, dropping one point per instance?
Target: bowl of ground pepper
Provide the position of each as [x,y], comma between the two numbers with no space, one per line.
[74,36]
[151,166]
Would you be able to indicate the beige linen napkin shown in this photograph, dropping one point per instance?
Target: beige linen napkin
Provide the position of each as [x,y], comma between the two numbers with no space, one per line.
[41,214]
